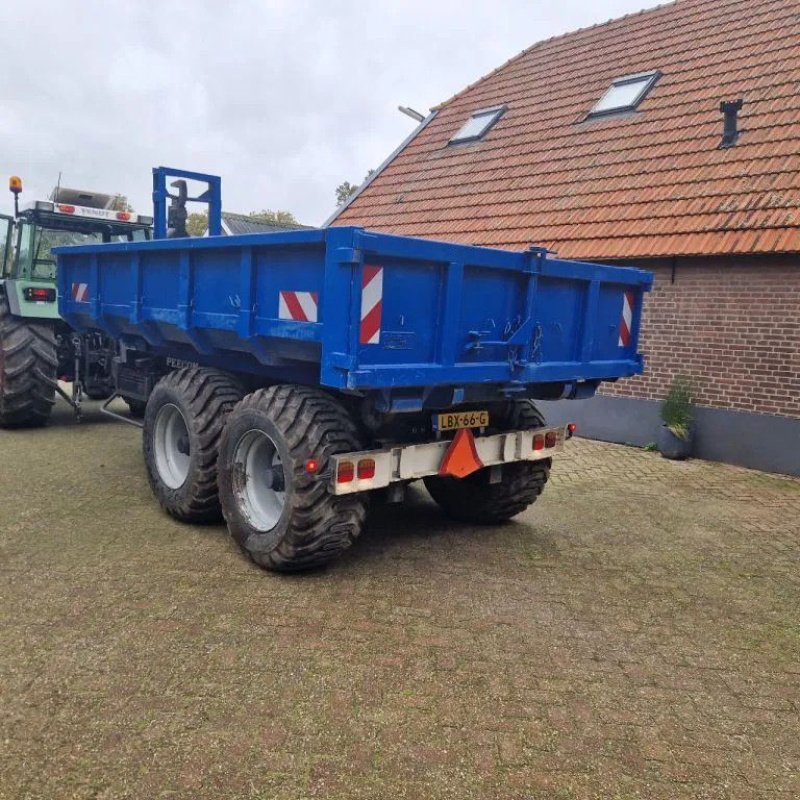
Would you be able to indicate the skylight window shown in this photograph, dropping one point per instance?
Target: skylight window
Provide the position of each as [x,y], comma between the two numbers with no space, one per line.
[625,94]
[477,126]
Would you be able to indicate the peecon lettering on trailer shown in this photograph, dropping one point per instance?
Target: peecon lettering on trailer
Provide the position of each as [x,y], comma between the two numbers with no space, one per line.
[372,343]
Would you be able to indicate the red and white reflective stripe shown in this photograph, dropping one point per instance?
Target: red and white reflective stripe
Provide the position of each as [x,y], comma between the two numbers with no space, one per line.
[80,292]
[298,306]
[626,323]
[371,304]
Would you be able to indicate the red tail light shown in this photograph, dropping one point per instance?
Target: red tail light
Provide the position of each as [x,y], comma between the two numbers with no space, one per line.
[66,209]
[123,216]
[550,439]
[40,294]
[345,472]
[538,442]
[366,469]
[312,466]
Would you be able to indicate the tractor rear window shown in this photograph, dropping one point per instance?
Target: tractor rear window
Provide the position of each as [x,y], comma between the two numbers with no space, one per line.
[37,243]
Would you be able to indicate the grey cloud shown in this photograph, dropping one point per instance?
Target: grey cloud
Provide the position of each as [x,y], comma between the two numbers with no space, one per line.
[283,99]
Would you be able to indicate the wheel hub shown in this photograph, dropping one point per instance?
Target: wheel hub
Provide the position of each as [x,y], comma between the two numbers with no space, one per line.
[261,482]
[171,446]
[276,479]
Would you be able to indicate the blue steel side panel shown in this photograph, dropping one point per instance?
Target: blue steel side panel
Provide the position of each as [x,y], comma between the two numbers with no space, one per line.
[559,310]
[411,300]
[450,314]
[509,318]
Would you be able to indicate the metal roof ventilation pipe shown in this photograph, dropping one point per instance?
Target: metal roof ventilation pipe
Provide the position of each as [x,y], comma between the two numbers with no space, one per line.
[731,109]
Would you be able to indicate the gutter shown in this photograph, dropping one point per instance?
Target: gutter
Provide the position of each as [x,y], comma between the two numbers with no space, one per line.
[396,152]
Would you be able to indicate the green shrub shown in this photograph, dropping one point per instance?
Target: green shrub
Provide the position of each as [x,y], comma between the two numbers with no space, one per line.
[676,410]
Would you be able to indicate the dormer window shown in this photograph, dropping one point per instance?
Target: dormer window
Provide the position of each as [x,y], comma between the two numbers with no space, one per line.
[478,125]
[625,94]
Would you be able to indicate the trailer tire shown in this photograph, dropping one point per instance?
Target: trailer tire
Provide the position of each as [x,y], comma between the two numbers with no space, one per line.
[474,499]
[28,369]
[183,422]
[288,521]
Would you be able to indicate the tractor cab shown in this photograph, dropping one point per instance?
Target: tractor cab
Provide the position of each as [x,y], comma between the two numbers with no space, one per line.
[70,216]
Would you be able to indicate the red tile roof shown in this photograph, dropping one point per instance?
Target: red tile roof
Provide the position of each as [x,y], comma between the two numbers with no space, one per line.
[646,184]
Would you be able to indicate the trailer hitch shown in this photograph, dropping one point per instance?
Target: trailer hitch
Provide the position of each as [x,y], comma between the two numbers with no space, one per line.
[75,401]
[104,409]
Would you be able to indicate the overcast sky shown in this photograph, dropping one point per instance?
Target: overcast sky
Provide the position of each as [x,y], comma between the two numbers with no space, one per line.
[282,98]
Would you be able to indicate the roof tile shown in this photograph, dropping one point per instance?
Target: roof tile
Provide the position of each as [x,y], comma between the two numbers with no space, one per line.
[646,184]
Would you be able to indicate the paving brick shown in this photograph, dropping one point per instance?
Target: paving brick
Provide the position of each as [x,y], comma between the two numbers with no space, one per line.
[632,635]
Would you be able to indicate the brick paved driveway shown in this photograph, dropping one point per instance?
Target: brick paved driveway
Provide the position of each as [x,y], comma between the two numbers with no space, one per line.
[635,634]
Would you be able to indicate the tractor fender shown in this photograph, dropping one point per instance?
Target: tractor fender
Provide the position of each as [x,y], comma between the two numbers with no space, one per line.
[10,288]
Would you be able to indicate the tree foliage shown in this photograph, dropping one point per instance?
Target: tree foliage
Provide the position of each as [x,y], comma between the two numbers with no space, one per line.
[345,190]
[197,223]
[121,203]
[277,217]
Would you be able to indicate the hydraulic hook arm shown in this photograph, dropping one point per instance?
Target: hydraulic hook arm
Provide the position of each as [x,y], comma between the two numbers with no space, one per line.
[174,219]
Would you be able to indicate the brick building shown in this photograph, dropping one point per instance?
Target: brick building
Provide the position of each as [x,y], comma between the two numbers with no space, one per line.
[610,144]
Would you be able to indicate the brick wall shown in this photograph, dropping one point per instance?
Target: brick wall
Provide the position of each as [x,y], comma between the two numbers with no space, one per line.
[731,324]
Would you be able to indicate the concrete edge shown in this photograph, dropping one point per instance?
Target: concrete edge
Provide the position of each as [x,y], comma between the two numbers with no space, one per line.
[759,441]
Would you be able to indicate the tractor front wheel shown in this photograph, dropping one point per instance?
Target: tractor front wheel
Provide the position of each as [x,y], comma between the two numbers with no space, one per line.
[28,369]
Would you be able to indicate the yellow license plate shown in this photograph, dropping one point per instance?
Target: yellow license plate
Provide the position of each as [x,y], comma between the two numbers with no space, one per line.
[452,420]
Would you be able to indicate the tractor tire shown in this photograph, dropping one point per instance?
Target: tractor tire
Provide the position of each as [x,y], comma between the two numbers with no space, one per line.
[28,370]
[474,499]
[136,407]
[183,422]
[285,519]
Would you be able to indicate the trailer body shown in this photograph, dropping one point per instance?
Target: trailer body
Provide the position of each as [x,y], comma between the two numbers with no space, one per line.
[414,323]
[286,376]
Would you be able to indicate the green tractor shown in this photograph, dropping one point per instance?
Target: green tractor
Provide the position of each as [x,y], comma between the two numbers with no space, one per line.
[37,348]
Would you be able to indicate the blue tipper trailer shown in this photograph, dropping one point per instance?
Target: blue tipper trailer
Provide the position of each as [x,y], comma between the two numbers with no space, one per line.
[287,376]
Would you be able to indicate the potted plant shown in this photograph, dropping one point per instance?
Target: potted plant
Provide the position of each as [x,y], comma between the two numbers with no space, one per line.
[676,436]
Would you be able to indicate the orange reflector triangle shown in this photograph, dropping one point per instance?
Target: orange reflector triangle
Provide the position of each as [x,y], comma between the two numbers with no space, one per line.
[461,458]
